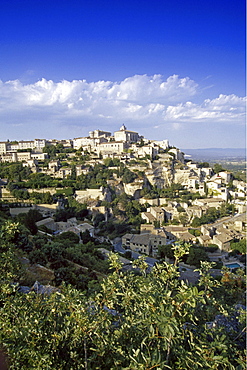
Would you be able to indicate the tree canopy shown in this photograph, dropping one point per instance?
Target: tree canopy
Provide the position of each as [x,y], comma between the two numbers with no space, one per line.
[134,322]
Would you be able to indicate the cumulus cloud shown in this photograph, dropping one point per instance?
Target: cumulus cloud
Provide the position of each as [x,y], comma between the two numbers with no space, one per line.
[228,108]
[140,98]
[139,89]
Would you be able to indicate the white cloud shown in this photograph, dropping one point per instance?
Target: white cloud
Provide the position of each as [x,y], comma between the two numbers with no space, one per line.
[139,89]
[228,108]
[145,100]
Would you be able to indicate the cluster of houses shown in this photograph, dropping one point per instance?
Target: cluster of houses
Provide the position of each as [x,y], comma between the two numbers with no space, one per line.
[168,167]
[217,234]
[101,142]
[63,226]
[163,166]
[123,144]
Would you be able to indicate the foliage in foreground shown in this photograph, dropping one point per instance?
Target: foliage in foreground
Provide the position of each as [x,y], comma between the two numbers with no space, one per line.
[147,321]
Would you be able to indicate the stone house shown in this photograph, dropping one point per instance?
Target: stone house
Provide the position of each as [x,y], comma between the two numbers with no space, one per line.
[82,170]
[53,166]
[241,186]
[111,147]
[226,176]
[83,142]
[158,213]
[178,155]
[23,156]
[240,223]
[209,202]
[149,150]
[3,147]
[85,226]
[63,172]
[32,164]
[171,212]
[204,239]
[144,243]
[125,135]
[39,156]
[49,223]
[175,232]
[9,157]
[95,134]
[148,217]
[223,241]
[82,195]
[195,211]
[164,144]
[152,202]
[154,214]
[208,230]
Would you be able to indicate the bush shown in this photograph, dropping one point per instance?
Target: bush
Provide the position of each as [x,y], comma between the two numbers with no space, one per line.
[195,232]
[45,229]
[37,256]
[196,255]
[211,248]
[218,265]
[128,254]
[134,322]
[67,235]
[234,253]
[240,246]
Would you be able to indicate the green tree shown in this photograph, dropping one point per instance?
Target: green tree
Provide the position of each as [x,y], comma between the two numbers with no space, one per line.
[218,168]
[47,198]
[29,220]
[196,255]
[203,165]
[86,237]
[67,235]
[239,246]
[135,322]
[38,256]
[128,176]
[183,218]
[10,267]
[166,251]
[194,232]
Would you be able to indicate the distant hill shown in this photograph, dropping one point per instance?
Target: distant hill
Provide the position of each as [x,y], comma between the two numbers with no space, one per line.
[214,154]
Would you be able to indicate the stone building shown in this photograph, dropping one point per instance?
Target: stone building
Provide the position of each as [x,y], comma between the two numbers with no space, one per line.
[125,135]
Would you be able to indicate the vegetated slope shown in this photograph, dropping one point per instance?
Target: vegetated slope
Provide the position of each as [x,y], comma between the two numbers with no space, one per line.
[134,322]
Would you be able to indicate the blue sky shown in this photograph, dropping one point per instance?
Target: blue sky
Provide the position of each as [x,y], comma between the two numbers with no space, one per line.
[168,69]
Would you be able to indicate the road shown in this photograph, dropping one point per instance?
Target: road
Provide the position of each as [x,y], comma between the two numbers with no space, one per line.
[118,247]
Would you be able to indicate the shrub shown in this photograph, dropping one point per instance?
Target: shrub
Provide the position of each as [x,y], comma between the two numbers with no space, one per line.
[211,248]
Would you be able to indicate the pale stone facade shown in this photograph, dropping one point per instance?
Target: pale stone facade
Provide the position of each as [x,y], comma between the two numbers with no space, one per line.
[3,147]
[82,195]
[126,136]
[144,243]
[164,144]
[99,133]
[111,147]
[82,142]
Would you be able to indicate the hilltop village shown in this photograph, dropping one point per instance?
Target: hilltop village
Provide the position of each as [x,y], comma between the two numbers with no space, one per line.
[119,252]
[139,195]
